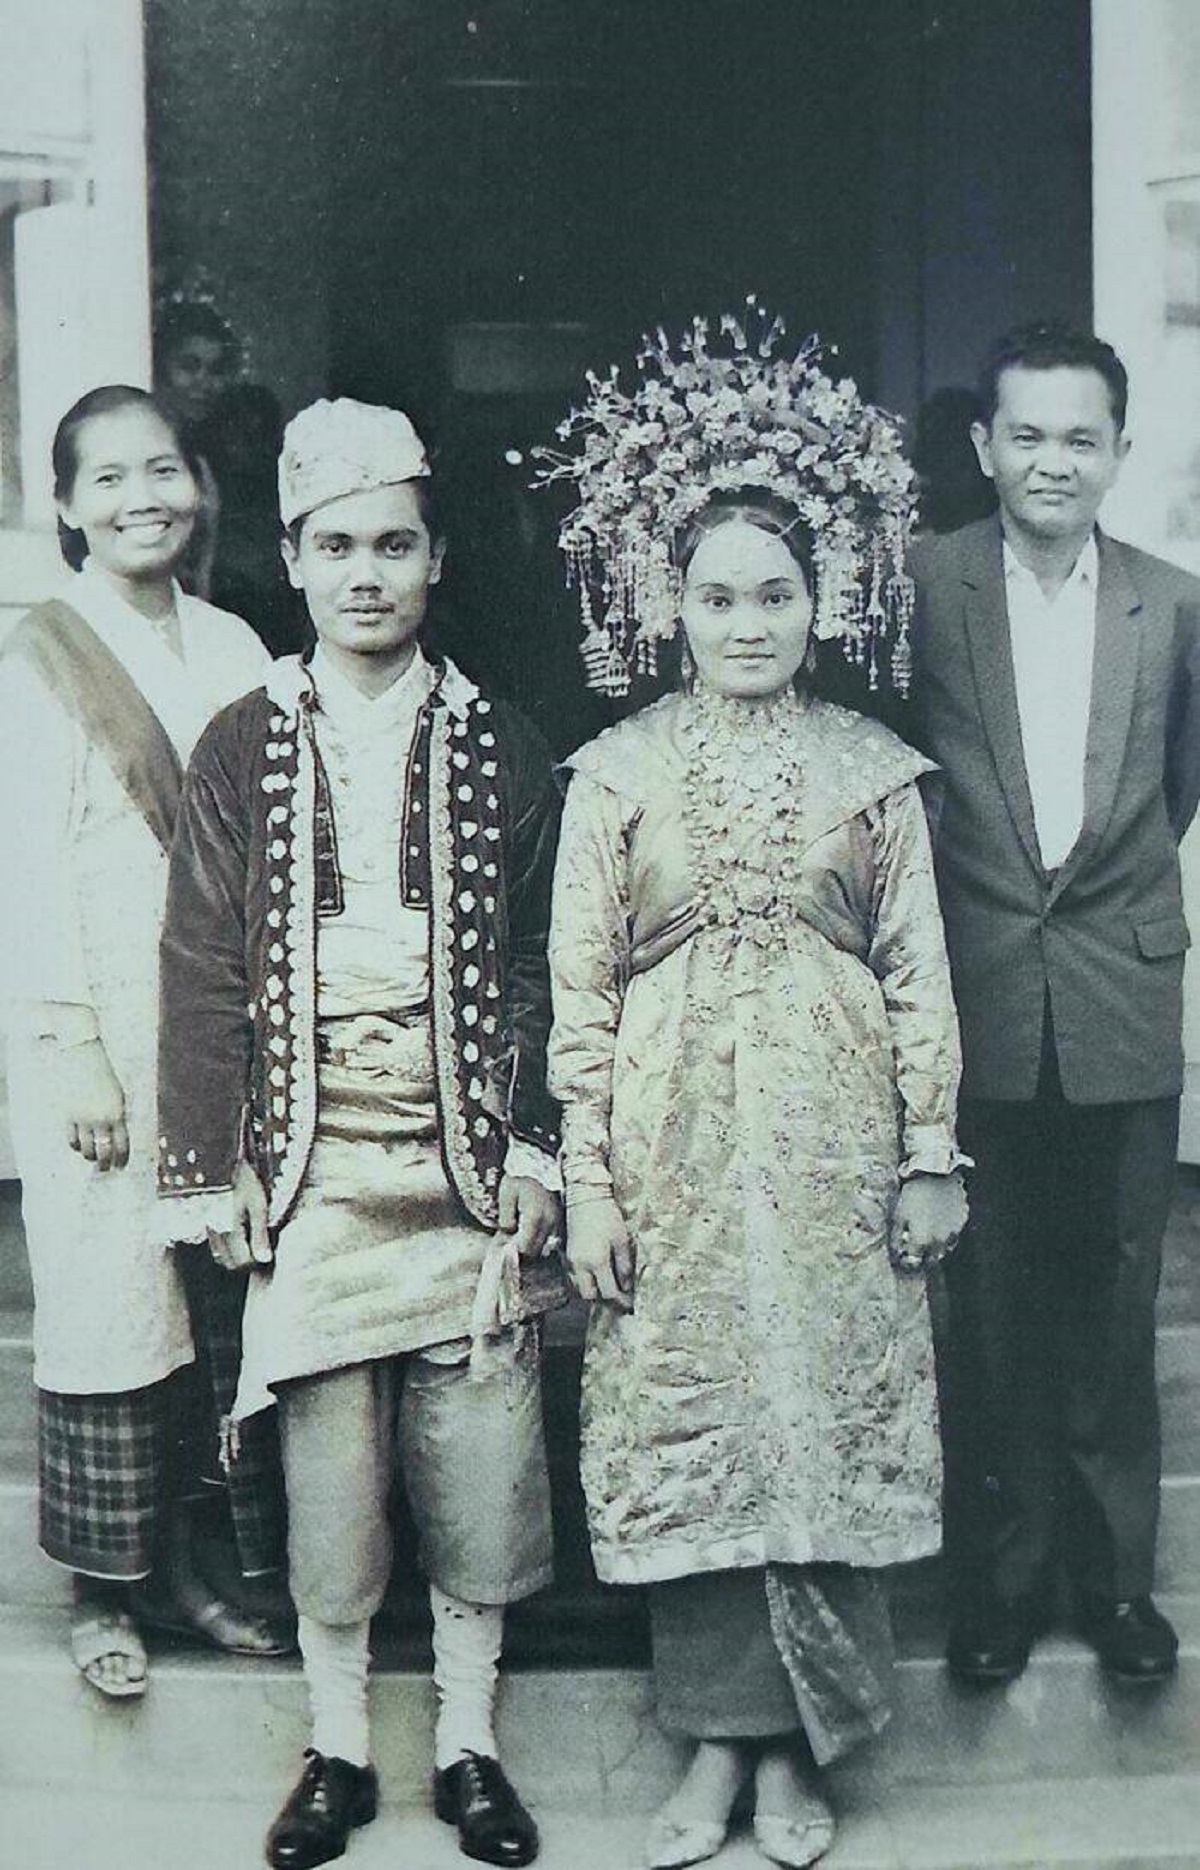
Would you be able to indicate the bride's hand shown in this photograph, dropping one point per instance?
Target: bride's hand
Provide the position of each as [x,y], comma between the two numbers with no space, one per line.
[600,1254]
[929,1216]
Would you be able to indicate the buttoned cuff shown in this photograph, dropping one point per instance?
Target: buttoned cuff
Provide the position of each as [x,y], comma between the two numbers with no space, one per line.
[931,1150]
[580,1194]
[535,1164]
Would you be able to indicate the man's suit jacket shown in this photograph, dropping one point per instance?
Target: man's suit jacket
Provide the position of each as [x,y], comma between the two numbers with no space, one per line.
[1106,934]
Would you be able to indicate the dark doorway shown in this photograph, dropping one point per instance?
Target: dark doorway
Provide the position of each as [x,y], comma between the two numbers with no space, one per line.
[557,180]
[457,205]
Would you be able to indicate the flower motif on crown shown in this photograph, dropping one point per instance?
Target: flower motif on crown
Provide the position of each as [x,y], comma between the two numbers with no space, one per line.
[733,412]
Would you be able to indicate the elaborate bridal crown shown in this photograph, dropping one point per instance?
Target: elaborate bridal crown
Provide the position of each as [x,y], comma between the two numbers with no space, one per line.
[725,411]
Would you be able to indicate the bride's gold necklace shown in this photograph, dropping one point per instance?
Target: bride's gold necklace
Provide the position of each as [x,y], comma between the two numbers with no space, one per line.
[745,774]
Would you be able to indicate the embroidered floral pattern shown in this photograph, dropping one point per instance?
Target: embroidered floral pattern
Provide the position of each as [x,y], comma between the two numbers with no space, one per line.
[284,1100]
[465,842]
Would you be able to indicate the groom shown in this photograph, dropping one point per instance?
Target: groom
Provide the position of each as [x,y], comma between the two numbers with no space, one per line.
[355,1011]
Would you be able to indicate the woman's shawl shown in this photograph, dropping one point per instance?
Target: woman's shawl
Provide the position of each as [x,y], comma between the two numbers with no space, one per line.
[97,692]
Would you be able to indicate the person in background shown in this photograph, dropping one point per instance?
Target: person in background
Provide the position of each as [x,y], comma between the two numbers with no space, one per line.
[1058,687]
[196,358]
[103,692]
[354,956]
[233,429]
[755,1048]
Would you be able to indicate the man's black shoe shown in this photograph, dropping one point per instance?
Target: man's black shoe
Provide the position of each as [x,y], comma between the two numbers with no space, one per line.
[330,1799]
[1132,1638]
[990,1644]
[493,1825]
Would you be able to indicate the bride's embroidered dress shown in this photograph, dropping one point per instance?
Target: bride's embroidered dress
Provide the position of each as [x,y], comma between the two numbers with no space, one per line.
[754,1040]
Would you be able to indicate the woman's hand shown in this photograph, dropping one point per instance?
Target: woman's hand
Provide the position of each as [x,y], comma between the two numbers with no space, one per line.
[247,1243]
[600,1256]
[531,1213]
[930,1214]
[94,1103]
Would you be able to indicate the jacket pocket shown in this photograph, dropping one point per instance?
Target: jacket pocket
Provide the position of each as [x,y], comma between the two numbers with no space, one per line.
[1165,935]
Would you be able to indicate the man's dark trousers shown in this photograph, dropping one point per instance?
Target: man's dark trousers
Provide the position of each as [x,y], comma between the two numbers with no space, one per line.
[1052,1425]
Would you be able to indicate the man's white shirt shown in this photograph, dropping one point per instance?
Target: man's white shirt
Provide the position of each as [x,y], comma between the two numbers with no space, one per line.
[1053,649]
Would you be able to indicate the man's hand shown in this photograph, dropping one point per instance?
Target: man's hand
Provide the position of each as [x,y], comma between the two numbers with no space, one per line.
[930,1214]
[247,1243]
[531,1213]
[94,1104]
[600,1254]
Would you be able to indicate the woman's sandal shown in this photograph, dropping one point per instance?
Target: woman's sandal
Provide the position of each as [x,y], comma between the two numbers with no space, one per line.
[675,1842]
[221,1626]
[97,1634]
[797,1840]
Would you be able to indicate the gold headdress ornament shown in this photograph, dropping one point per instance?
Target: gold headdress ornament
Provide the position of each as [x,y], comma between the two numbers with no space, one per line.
[718,416]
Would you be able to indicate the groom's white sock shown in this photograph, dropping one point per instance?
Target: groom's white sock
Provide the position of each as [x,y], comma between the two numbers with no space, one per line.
[336,1660]
[466,1657]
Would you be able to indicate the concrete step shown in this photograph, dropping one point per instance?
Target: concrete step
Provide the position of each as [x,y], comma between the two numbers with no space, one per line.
[31,1581]
[572,1736]
[579,1621]
[1179,1295]
[1093,1824]
[15,1286]
[1178,1385]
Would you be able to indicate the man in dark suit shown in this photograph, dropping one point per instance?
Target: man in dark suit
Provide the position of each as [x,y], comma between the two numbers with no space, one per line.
[1058,686]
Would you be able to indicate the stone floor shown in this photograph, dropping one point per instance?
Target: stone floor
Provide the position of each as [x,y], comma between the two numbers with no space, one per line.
[1089,1824]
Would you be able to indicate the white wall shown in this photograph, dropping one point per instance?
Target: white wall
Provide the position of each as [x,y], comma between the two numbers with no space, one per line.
[1146,233]
[73,124]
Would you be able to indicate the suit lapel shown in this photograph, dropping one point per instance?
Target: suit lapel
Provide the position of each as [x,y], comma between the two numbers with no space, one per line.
[1114,680]
[986,616]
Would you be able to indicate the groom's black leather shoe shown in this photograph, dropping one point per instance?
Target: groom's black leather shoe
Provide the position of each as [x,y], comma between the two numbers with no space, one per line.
[990,1644]
[1132,1638]
[330,1799]
[493,1825]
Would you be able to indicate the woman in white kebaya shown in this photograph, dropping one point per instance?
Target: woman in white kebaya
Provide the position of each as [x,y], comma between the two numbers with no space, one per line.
[103,692]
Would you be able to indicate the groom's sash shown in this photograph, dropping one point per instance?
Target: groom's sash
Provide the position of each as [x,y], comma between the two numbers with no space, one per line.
[96,690]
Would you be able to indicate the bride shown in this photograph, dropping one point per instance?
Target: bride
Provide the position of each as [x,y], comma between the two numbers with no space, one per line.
[756,1049]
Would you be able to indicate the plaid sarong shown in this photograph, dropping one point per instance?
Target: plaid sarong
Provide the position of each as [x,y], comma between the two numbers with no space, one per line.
[103,1468]
[109,1464]
[247,1466]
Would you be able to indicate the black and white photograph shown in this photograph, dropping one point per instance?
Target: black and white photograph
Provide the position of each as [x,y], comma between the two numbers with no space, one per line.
[599,1053]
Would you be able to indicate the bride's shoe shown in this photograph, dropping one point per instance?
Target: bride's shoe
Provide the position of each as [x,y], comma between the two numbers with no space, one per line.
[679,1836]
[674,1842]
[798,1839]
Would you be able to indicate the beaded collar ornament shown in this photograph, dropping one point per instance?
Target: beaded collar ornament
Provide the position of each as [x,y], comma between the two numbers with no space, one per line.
[723,414]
